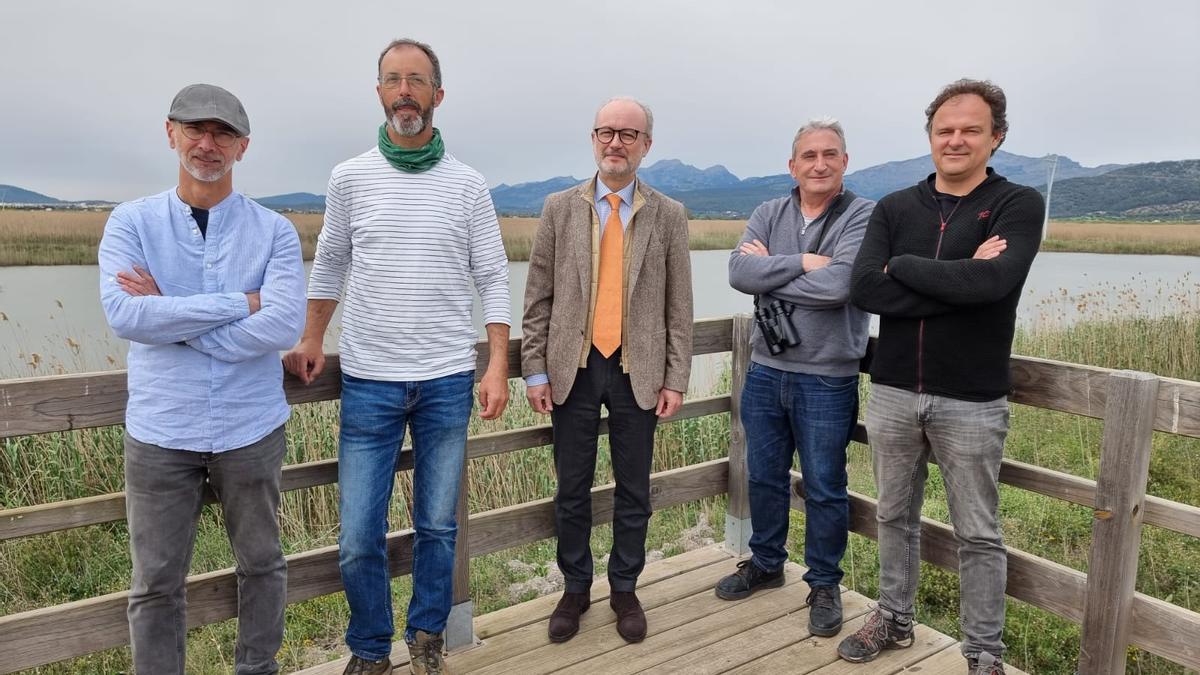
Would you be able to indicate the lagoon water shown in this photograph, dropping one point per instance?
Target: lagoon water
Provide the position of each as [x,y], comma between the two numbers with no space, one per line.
[51,321]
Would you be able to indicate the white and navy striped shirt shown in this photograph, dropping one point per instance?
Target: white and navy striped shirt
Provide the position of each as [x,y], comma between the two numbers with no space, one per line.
[412,243]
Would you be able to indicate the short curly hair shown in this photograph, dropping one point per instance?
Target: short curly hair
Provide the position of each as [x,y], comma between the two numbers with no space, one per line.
[984,89]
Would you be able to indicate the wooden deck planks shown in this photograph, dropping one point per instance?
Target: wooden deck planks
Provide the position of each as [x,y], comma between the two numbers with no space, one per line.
[668,603]
[757,642]
[690,631]
[539,609]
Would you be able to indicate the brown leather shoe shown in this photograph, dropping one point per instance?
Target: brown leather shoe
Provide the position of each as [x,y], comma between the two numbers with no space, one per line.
[631,620]
[564,622]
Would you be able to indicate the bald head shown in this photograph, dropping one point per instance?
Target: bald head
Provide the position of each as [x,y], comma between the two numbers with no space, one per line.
[627,104]
[620,139]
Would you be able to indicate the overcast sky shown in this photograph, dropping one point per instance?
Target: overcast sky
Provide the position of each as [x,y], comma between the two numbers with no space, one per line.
[85,86]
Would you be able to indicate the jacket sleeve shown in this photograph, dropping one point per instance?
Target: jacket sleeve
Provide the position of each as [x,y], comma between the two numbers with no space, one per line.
[155,319]
[829,287]
[679,313]
[539,295]
[968,281]
[875,291]
[756,274]
[277,324]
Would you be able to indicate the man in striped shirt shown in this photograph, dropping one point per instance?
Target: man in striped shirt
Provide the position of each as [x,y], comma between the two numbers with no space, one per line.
[408,230]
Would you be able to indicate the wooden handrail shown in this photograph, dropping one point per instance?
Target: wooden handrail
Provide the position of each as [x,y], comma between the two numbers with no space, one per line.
[40,405]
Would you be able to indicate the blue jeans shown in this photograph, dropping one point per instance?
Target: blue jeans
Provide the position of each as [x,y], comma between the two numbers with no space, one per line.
[966,439]
[374,414]
[785,413]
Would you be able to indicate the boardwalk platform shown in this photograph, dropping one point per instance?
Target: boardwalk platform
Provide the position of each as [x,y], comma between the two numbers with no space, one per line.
[690,631]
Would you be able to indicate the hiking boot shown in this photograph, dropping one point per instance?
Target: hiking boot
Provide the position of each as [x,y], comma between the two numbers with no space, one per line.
[825,611]
[425,654]
[631,620]
[564,622]
[361,666]
[880,632]
[747,579]
[984,663]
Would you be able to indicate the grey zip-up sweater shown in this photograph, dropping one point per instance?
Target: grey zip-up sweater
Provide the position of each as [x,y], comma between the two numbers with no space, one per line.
[833,333]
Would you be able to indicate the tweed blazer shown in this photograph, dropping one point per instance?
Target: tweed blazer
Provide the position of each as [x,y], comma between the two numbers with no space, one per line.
[656,330]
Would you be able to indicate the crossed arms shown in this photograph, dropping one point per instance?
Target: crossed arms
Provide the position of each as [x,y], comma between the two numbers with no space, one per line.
[228,326]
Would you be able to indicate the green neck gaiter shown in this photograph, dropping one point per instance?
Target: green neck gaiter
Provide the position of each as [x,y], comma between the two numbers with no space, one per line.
[411,161]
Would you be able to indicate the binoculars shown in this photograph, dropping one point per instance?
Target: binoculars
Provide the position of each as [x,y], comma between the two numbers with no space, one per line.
[775,323]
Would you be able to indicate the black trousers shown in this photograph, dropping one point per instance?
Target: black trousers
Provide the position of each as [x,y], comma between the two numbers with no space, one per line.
[631,439]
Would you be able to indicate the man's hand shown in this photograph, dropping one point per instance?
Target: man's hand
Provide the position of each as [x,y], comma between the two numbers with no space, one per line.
[305,361]
[254,300]
[540,398]
[990,248]
[812,261]
[755,247]
[493,394]
[138,282]
[669,402]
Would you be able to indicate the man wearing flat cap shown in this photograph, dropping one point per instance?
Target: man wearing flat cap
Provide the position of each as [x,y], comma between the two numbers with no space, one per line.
[208,287]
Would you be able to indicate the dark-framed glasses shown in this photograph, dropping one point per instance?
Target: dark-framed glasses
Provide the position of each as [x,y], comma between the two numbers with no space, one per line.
[392,81]
[627,136]
[222,136]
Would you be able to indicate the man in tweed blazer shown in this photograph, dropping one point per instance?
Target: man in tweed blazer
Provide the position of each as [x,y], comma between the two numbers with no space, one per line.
[613,330]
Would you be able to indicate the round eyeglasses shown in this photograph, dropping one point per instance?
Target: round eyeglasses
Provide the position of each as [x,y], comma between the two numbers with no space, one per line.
[627,136]
[222,136]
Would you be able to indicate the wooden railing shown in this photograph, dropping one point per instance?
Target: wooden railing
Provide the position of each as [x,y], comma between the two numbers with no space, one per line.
[1104,602]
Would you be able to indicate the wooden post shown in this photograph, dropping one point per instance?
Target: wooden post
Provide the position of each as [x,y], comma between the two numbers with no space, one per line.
[737,517]
[1117,526]
[460,626]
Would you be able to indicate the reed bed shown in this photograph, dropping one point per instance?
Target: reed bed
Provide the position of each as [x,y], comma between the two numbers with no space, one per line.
[62,237]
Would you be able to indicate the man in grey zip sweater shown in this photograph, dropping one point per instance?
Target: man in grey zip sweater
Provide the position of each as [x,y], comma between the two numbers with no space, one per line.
[803,398]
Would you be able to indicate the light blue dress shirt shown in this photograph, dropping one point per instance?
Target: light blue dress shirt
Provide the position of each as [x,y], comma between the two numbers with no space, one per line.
[603,209]
[204,374]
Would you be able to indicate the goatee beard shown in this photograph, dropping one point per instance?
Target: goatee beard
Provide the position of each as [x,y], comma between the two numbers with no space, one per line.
[407,128]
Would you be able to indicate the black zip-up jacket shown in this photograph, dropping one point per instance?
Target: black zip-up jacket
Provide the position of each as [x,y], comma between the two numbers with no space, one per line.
[946,320]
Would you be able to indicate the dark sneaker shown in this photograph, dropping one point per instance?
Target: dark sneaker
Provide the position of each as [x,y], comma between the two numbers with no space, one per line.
[984,663]
[361,666]
[825,611]
[425,655]
[747,579]
[880,632]
[631,620]
[564,622]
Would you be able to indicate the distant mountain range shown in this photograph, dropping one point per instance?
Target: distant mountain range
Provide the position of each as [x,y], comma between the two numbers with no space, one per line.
[11,194]
[717,192]
[1153,190]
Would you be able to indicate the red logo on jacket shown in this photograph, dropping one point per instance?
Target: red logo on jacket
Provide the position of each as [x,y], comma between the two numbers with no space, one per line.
[983,215]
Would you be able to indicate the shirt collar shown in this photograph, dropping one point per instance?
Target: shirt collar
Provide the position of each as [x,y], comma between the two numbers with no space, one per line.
[625,193]
[185,208]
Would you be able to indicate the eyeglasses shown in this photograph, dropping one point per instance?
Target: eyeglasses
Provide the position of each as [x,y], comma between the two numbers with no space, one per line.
[221,136]
[392,81]
[628,136]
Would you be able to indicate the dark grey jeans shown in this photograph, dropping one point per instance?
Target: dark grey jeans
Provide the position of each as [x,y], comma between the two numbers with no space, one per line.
[163,497]
[966,439]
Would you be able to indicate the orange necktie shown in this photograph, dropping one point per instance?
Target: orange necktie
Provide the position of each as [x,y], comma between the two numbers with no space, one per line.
[606,325]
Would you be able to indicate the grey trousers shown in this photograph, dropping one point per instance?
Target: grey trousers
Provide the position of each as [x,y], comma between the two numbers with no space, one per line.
[966,439]
[164,490]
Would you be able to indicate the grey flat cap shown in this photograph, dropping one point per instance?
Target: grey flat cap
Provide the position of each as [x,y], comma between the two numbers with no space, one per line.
[199,102]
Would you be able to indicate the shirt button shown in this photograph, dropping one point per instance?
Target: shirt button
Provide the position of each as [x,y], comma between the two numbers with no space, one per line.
[209,266]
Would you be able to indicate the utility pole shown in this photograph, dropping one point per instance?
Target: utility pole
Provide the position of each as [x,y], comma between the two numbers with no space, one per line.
[1053,159]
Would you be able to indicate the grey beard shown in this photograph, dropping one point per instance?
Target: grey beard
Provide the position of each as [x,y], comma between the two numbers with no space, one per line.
[408,128]
[203,176]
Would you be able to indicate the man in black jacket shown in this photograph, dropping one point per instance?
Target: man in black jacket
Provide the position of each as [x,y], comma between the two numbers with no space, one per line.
[943,264]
